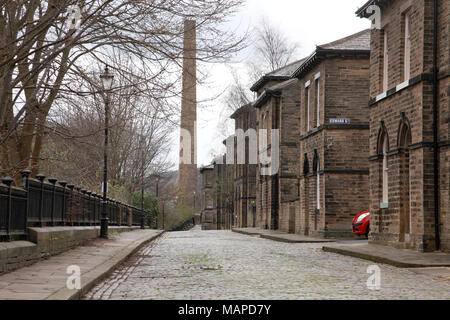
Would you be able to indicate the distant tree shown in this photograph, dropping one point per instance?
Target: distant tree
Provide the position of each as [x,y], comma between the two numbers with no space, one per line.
[150,204]
[238,94]
[273,50]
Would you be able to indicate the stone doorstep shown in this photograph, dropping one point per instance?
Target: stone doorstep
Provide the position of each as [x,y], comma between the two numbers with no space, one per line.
[101,271]
[280,236]
[288,239]
[401,258]
[250,233]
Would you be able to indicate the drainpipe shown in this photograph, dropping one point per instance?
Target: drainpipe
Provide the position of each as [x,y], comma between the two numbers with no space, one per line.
[435,127]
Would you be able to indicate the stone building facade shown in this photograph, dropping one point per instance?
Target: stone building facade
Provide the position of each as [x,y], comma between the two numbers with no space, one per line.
[334,137]
[208,213]
[224,193]
[278,106]
[245,172]
[217,195]
[409,124]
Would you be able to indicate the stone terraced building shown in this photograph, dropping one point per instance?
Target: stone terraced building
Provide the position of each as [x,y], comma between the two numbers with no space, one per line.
[244,173]
[208,213]
[277,105]
[217,195]
[409,124]
[334,137]
[363,124]
[319,107]
[224,189]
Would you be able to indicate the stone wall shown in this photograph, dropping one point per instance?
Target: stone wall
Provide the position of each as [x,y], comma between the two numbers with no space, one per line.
[46,242]
[244,173]
[224,193]
[408,219]
[208,210]
[332,155]
[281,111]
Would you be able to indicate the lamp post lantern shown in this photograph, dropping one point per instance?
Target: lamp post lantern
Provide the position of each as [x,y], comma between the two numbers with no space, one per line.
[107,80]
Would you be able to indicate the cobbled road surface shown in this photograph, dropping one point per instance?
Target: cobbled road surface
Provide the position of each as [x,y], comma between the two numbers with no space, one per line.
[224,265]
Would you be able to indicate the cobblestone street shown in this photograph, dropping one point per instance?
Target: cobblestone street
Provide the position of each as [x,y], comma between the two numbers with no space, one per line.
[225,265]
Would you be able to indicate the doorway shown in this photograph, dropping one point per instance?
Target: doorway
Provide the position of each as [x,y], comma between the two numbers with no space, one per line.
[291,219]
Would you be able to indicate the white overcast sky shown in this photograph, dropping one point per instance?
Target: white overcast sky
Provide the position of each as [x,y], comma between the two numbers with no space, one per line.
[308,22]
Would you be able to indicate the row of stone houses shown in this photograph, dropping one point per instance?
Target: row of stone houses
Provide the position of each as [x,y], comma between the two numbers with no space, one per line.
[321,113]
[409,124]
[244,173]
[208,213]
[217,196]
[363,123]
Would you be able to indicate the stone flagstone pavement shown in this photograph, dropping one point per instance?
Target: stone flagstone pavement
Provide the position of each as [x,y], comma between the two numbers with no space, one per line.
[47,279]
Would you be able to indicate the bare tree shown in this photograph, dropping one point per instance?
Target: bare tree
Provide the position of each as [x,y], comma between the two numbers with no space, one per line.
[139,137]
[273,50]
[238,93]
[41,53]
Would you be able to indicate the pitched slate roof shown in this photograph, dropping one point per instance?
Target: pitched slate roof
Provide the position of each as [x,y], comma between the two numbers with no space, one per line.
[355,43]
[273,91]
[244,108]
[286,70]
[208,167]
[281,74]
[282,85]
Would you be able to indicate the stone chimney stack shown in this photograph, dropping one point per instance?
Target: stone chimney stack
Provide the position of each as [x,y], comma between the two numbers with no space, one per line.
[187,174]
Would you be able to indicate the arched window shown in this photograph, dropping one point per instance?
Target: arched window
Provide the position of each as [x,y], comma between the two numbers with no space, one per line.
[316,161]
[385,149]
[305,164]
[404,133]
[316,167]
[404,140]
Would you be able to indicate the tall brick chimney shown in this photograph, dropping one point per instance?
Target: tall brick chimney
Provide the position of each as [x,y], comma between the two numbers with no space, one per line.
[187,174]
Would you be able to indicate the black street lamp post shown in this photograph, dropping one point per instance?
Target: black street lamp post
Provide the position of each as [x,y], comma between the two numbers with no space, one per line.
[164,216]
[157,199]
[142,194]
[193,217]
[107,80]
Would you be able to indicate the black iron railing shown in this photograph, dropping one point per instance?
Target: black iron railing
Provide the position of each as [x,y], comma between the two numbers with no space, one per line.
[39,203]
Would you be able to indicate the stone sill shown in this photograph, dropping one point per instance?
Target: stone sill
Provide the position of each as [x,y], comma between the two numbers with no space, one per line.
[402,86]
[384,205]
